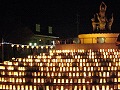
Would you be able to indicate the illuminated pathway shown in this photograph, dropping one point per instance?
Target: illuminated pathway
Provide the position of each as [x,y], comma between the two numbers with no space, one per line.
[63,70]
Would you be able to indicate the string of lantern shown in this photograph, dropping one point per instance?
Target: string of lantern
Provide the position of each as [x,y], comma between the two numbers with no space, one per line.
[28,46]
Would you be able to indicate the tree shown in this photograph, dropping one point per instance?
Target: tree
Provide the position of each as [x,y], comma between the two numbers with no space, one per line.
[21,35]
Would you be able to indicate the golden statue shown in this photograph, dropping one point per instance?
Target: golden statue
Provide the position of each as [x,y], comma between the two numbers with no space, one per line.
[102,23]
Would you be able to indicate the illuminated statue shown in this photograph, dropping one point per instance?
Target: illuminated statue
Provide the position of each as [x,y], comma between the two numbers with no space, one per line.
[100,21]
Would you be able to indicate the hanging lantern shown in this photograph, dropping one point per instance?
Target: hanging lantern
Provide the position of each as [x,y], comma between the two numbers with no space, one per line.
[42,47]
[17,46]
[22,46]
[27,46]
[12,45]
[37,47]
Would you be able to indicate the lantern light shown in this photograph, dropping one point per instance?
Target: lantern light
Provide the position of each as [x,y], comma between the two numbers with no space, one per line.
[22,46]
[30,44]
[37,47]
[27,46]
[46,47]
[42,47]
[35,44]
[17,45]
[32,47]
[12,45]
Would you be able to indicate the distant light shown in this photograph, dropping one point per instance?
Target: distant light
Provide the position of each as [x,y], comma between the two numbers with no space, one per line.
[35,44]
[12,45]
[42,47]
[51,47]
[53,42]
[47,47]
[13,58]
[22,46]
[30,44]
[17,45]
[27,46]
[37,47]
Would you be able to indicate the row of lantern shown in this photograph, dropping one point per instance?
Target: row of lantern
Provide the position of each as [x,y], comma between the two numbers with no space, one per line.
[82,50]
[57,80]
[62,64]
[28,46]
[77,60]
[77,74]
[61,68]
[70,87]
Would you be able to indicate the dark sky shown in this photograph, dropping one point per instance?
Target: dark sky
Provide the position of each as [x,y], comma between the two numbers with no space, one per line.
[60,14]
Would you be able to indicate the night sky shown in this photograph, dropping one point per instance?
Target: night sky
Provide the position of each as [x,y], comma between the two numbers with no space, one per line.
[60,14]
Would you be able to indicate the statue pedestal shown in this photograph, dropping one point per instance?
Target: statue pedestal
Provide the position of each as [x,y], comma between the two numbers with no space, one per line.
[92,41]
[98,38]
